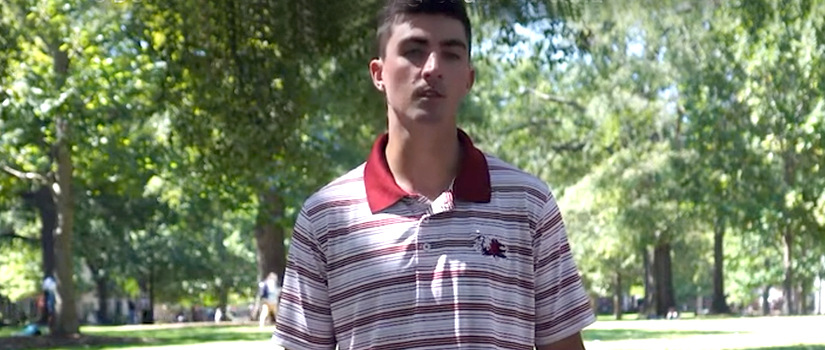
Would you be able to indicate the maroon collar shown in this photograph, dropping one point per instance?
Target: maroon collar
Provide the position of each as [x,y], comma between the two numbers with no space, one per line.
[472,183]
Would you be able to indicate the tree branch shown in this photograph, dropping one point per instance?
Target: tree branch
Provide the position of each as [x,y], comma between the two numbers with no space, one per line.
[568,147]
[24,175]
[11,235]
[557,99]
[532,123]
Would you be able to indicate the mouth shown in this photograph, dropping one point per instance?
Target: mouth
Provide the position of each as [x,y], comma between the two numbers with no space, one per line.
[429,93]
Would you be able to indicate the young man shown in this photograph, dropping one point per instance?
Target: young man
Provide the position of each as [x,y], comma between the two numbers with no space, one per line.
[268,295]
[430,244]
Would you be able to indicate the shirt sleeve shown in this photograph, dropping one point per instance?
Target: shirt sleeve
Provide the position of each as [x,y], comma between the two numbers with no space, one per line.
[304,320]
[562,304]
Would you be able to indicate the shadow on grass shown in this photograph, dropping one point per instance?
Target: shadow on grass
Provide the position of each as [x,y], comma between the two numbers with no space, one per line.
[103,338]
[637,334]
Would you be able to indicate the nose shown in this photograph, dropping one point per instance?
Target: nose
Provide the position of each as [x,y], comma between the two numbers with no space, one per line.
[432,67]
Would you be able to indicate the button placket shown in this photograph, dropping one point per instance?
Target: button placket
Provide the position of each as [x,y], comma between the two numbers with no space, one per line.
[420,260]
[420,278]
[421,242]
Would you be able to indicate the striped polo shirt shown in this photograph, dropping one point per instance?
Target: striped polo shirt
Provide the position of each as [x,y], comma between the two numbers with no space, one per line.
[486,265]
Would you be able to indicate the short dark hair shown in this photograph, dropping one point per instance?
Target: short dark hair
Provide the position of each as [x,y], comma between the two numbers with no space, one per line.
[394,8]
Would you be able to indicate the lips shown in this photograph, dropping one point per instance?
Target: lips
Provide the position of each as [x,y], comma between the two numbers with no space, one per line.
[429,92]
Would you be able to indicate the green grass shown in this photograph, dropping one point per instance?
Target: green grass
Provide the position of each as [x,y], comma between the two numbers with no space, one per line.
[639,334]
[733,333]
[682,316]
[763,333]
[187,335]
[177,336]
[7,331]
[798,347]
[172,336]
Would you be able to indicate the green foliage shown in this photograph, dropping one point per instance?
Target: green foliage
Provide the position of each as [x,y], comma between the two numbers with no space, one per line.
[19,270]
[655,122]
[649,133]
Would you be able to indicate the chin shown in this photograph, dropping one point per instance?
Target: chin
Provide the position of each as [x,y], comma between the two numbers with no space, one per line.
[415,116]
[424,117]
[428,116]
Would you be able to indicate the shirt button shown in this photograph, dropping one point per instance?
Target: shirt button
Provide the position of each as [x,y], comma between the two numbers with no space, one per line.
[425,246]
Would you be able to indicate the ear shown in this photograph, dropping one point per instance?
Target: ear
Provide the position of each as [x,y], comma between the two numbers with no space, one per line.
[472,79]
[376,73]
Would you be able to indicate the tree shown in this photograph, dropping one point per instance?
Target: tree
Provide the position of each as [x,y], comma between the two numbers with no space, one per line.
[45,103]
[258,126]
[79,81]
[781,75]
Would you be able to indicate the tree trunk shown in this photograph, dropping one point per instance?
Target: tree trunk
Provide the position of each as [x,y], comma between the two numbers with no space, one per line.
[617,296]
[648,307]
[66,322]
[223,284]
[787,284]
[102,284]
[820,297]
[788,306]
[269,235]
[719,304]
[663,279]
[223,301]
[43,200]
[803,298]
[149,317]
[766,304]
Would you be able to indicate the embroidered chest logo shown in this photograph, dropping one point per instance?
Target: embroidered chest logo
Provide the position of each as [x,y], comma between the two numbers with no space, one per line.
[491,247]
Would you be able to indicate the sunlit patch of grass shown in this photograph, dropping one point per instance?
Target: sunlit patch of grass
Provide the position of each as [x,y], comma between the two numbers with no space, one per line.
[169,335]
[733,333]
[744,333]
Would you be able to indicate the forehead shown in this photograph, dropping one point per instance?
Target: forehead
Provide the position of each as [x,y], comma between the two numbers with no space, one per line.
[432,27]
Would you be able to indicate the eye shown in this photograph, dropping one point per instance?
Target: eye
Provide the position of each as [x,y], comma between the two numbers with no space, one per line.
[452,56]
[414,53]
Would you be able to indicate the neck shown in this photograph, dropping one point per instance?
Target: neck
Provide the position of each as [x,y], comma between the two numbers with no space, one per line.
[423,161]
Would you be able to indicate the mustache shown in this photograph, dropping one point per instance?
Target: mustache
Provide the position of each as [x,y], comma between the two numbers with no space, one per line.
[428,89]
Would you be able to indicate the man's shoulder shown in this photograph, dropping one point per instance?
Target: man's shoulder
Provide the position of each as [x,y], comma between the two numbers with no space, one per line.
[506,175]
[346,188]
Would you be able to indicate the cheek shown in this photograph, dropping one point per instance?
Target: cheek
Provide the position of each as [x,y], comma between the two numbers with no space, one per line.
[398,85]
[459,83]
[400,76]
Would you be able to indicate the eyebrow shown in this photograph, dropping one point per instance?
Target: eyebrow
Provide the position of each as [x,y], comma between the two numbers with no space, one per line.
[444,43]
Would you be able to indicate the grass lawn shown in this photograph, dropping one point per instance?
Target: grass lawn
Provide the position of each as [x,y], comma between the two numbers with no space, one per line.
[762,333]
[165,336]
[168,336]
[758,333]
[7,331]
